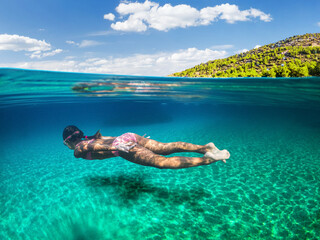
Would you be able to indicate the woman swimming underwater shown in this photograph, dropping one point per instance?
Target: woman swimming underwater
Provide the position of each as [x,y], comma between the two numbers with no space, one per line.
[140,150]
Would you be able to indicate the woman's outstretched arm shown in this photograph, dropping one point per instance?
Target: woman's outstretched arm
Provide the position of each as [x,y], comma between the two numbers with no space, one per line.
[96,148]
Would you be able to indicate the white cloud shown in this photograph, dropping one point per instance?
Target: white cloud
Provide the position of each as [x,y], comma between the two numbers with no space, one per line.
[257,13]
[39,54]
[158,64]
[16,43]
[71,43]
[142,16]
[84,43]
[318,23]
[103,33]
[20,43]
[130,25]
[241,51]
[89,43]
[257,46]
[168,17]
[125,8]
[109,16]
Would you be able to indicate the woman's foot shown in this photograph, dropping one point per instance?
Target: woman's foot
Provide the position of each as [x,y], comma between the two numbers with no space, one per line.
[211,146]
[216,154]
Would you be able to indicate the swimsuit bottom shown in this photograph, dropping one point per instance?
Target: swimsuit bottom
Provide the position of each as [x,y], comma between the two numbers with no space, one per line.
[124,142]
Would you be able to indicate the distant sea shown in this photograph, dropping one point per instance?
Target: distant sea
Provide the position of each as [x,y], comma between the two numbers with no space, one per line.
[268,189]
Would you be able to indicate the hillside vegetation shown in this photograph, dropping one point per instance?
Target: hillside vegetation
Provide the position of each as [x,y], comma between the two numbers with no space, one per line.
[297,56]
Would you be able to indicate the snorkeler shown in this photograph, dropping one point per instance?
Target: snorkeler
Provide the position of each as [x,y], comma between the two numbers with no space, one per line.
[140,150]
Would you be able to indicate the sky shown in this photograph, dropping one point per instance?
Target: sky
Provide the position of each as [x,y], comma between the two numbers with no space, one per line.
[143,37]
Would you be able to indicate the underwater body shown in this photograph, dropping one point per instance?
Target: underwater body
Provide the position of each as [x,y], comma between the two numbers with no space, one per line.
[268,189]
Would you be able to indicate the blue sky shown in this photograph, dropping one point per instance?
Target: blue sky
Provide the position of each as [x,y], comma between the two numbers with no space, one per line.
[143,37]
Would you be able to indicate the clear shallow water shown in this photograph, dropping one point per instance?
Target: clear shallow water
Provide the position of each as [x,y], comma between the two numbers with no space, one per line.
[269,189]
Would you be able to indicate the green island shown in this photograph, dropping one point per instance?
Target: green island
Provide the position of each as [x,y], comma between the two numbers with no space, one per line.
[297,56]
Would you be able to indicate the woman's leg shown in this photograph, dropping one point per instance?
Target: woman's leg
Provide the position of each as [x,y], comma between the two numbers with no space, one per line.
[143,156]
[172,147]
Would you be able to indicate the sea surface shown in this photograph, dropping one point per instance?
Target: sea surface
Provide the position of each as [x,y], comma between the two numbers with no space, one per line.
[268,189]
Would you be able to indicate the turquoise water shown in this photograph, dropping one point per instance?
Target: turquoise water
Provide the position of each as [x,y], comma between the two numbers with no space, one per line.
[269,189]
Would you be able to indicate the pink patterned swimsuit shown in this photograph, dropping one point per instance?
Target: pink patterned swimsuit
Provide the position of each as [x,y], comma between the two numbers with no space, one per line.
[125,141]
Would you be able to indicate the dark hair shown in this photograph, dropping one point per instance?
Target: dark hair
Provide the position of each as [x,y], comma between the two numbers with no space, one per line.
[69,130]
